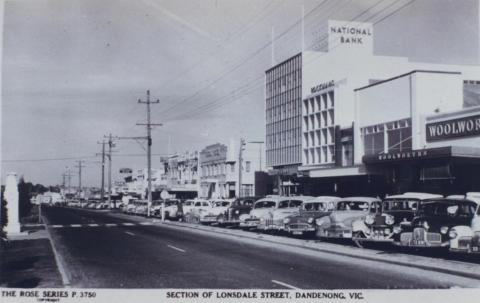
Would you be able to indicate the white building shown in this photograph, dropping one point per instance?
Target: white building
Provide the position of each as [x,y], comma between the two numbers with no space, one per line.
[417,132]
[329,154]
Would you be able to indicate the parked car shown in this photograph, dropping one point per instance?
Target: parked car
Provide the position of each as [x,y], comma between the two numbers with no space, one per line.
[339,223]
[172,209]
[241,206]
[395,211]
[218,206]
[130,206]
[437,222]
[287,206]
[195,209]
[466,238]
[315,208]
[141,207]
[156,208]
[261,209]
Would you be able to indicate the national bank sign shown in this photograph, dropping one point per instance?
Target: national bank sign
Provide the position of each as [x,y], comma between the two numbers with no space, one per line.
[455,128]
[350,35]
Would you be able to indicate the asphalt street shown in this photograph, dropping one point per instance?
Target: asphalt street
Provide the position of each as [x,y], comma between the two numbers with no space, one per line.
[103,251]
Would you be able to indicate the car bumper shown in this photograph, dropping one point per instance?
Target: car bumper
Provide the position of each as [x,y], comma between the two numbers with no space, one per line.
[422,240]
[335,233]
[250,224]
[466,245]
[208,219]
[299,228]
[376,235]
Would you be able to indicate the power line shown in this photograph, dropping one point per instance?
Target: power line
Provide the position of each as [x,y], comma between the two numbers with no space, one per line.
[218,101]
[47,159]
[240,64]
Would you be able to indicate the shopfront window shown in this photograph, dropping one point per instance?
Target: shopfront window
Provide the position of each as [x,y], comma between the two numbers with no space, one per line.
[399,135]
[374,142]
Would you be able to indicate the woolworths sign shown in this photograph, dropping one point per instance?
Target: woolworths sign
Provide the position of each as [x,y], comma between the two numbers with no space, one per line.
[461,127]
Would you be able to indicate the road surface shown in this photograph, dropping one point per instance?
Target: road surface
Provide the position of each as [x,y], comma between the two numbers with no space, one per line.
[103,251]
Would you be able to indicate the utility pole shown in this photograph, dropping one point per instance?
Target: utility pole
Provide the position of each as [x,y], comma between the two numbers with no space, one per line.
[69,176]
[80,166]
[102,188]
[149,125]
[240,160]
[111,144]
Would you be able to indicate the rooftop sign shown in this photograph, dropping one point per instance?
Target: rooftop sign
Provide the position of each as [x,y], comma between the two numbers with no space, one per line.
[350,35]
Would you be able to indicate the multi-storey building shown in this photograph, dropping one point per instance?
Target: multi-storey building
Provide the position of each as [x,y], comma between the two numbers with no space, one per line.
[283,120]
[212,173]
[251,162]
[181,174]
[327,163]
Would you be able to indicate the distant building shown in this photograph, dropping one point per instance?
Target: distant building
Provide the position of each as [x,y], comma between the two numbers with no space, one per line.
[181,174]
[212,172]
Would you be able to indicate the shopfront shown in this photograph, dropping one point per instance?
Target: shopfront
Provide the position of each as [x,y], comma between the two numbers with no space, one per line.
[418,137]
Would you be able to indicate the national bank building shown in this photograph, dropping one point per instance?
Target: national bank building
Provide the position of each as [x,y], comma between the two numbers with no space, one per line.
[316,137]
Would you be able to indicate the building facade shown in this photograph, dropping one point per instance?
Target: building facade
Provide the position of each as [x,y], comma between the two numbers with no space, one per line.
[181,174]
[329,143]
[212,173]
[425,137]
[283,120]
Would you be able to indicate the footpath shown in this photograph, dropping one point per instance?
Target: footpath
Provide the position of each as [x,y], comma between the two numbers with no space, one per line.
[28,261]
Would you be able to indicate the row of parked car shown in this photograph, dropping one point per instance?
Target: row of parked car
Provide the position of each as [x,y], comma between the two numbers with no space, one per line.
[419,220]
[416,220]
[90,204]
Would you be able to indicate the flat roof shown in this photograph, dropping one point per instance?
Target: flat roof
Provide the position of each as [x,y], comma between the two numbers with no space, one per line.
[283,62]
[407,74]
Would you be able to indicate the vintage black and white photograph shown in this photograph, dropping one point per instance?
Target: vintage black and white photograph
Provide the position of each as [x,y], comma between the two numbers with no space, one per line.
[264,149]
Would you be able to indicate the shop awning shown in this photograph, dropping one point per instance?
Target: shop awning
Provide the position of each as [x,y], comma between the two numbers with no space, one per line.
[425,154]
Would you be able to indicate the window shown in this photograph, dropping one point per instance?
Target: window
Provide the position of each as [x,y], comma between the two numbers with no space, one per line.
[247,166]
[373,143]
[399,139]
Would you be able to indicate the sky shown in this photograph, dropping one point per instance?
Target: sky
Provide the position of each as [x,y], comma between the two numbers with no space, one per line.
[73,70]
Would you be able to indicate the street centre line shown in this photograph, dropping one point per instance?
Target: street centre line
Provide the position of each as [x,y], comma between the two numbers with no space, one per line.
[176,248]
[75,225]
[128,224]
[284,284]
[93,225]
[110,224]
[129,233]
[146,223]
[57,226]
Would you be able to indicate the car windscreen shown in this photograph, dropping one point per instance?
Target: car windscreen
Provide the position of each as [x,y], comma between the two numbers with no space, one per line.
[400,204]
[353,205]
[243,203]
[452,208]
[265,204]
[221,203]
[314,206]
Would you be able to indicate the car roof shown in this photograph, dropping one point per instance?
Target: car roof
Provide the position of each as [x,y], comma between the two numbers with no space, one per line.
[458,198]
[301,198]
[415,195]
[362,199]
[324,199]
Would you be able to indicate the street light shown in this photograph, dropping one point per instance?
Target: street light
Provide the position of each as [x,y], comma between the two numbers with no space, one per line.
[260,152]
